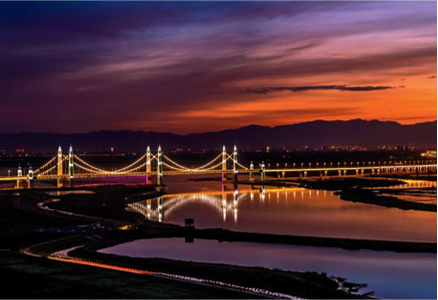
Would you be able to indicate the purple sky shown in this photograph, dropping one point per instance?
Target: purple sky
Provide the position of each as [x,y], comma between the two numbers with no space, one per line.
[200,66]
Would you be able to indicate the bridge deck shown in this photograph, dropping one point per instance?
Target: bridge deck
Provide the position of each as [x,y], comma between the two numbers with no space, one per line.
[240,171]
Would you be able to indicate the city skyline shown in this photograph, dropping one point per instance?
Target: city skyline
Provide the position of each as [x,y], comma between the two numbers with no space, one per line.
[207,66]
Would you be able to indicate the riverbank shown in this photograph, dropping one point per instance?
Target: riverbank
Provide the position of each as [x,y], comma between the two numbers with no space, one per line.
[25,277]
[298,284]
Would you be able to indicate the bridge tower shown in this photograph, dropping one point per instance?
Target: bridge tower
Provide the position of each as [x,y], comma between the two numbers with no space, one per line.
[235,162]
[224,163]
[251,168]
[71,165]
[262,171]
[159,166]
[19,180]
[71,171]
[60,172]
[148,164]
[30,177]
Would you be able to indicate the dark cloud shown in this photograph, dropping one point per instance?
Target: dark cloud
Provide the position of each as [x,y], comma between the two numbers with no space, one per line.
[432,77]
[76,66]
[294,89]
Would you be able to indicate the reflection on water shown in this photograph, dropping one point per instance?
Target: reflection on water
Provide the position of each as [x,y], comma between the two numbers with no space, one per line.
[411,184]
[289,211]
[413,190]
[390,275]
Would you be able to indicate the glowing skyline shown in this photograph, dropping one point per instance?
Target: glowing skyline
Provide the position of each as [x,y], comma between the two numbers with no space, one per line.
[205,66]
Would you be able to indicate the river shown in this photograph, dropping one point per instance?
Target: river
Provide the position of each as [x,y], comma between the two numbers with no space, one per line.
[300,212]
[390,275]
[294,211]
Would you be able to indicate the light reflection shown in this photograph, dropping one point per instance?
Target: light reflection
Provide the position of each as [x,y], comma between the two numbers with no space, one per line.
[155,209]
[247,210]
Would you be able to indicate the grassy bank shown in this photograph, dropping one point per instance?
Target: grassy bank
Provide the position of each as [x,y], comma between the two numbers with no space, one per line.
[29,277]
[302,284]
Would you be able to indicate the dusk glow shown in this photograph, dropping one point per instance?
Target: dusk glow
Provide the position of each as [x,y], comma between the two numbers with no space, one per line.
[202,66]
[218,149]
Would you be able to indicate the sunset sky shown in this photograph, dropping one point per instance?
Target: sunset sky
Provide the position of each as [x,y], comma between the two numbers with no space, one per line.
[205,66]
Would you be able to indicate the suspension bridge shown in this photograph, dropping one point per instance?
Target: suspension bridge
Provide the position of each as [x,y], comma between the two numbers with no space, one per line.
[65,168]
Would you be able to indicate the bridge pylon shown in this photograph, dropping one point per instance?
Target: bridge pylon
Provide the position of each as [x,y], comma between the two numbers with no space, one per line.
[148,164]
[251,173]
[30,177]
[19,180]
[224,163]
[71,165]
[262,172]
[59,167]
[159,166]
[235,171]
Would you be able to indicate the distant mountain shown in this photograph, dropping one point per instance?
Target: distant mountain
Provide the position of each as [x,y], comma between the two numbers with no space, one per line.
[312,134]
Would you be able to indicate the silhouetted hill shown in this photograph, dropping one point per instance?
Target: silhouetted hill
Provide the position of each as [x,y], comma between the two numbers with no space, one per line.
[313,134]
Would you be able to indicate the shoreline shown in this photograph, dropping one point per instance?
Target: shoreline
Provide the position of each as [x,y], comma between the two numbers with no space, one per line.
[368,197]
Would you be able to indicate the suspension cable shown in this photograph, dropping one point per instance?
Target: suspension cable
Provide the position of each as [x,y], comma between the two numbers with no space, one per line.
[193,169]
[44,166]
[237,163]
[121,170]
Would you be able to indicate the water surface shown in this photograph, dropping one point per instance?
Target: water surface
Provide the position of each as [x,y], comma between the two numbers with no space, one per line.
[388,274]
[293,211]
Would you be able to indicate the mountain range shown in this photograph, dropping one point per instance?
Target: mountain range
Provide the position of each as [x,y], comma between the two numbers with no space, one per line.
[312,134]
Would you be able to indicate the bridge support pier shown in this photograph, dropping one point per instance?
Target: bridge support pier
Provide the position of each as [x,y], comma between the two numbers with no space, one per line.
[19,184]
[71,182]
[29,183]
[340,173]
[19,180]
[224,177]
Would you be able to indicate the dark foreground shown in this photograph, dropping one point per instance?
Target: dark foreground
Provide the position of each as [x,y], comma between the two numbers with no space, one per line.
[29,277]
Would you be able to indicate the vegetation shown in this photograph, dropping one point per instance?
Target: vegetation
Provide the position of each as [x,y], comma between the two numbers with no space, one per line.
[29,277]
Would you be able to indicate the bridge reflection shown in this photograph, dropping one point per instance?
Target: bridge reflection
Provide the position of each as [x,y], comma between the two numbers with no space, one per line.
[224,202]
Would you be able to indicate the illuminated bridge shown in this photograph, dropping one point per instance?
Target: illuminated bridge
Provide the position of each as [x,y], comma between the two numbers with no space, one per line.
[65,168]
